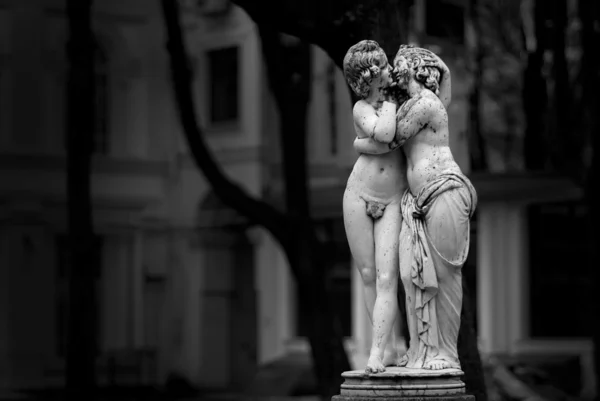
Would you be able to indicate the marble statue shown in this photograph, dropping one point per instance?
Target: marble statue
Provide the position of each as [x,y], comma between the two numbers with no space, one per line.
[435,209]
[371,203]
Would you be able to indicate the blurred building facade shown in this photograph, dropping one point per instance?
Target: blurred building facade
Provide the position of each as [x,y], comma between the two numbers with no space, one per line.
[184,286]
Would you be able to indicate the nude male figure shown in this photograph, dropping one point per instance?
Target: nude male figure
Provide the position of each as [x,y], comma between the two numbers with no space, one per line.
[371,203]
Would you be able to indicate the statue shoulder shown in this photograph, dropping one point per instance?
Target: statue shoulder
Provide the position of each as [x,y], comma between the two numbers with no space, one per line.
[426,104]
[362,108]
[410,102]
[432,101]
[431,97]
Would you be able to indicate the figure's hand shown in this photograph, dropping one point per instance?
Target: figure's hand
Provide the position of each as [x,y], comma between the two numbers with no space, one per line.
[445,91]
[370,146]
[439,63]
[389,94]
[394,145]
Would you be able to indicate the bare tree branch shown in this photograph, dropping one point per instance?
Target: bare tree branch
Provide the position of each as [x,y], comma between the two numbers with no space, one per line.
[333,25]
[82,330]
[291,83]
[256,211]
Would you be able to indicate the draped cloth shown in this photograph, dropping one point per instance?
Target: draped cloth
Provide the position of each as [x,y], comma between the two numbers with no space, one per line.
[434,243]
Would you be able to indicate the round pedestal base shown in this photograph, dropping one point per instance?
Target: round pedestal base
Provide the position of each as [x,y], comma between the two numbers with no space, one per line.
[403,384]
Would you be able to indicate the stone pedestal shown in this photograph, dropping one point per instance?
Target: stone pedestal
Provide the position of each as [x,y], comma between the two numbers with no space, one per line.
[403,384]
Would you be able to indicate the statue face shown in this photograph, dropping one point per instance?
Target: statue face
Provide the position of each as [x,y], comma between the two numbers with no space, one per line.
[385,79]
[402,71]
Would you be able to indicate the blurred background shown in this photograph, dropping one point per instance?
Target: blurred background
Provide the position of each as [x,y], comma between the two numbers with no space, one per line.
[174,241]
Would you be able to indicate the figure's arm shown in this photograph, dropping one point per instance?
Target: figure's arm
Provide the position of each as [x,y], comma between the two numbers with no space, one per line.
[445,84]
[445,90]
[381,127]
[370,146]
[417,114]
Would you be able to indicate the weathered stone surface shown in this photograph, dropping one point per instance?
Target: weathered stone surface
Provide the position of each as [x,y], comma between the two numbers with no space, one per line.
[407,104]
[394,372]
[457,397]
[403,383]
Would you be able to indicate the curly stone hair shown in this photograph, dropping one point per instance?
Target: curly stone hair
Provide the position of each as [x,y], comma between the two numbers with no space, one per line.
[423,61]
[362,64]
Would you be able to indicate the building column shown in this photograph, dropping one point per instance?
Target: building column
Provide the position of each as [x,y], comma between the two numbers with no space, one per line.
[182,331]
[28,303]
[214,312]
[487,222]
[276,311]
[501,276]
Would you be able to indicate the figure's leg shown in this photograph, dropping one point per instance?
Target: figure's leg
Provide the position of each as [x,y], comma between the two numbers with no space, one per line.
[448,228]
[448,224]
[359,231]
[387,230]
[391,356]
[405,255]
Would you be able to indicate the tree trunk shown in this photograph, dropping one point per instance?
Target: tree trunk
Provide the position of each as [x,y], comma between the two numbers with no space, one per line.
[324,331]
[81,333]
[589,13]
[468,350]
[288,62]
[534,93]
[476,142]
[292,230]
[232,195]
[561,98]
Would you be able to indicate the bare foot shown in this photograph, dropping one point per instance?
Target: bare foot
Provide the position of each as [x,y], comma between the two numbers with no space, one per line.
[390,357]
[402,361]
[374,365]
[437,364]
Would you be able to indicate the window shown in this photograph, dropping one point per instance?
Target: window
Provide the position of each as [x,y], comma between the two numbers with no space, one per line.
[445,20]
[224,85]
[560,266]
[338,276]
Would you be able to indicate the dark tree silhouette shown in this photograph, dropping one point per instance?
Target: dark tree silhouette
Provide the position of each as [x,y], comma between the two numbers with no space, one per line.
[476,141]
[561,99]
[589,14]
[563,121]
[535,94]
[293,229]
[288,64]
[81,332]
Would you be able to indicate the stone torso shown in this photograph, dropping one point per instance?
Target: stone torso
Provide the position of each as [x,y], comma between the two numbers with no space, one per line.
[379,176]
[428,153]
